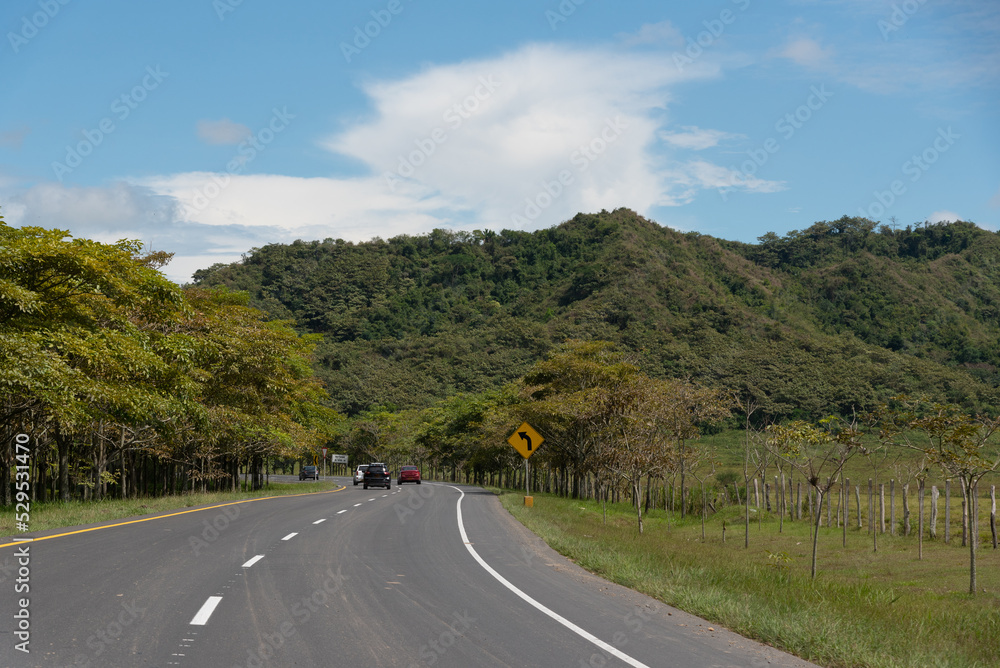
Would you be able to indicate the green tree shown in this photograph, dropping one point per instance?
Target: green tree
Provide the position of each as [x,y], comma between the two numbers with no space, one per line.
[72,344]
[256,383]
[565,398]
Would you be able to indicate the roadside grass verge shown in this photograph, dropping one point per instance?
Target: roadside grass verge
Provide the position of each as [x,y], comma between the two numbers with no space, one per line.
[58,515]
[883,609]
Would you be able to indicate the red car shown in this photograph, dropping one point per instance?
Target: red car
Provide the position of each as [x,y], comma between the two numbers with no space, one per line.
[408,474]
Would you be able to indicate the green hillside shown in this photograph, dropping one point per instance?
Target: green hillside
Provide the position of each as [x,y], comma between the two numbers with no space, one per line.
[826,319]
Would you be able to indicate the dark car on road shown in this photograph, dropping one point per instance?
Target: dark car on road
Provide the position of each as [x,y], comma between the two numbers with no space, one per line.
[309,472]
[377,475]
[408,474]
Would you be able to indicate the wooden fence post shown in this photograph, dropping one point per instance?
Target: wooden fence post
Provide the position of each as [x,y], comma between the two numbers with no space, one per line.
[846,506]
[906,509]
[857,500]
[892,507]
[829,507]
[993,514]
[871,508]
[840,503]
[920,520]
[934,511]
[965,517]
[779,501]
[881,507]
[790,502]
[947,510]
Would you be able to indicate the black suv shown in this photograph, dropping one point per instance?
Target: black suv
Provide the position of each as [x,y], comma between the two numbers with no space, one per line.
[377,475]
[309,472]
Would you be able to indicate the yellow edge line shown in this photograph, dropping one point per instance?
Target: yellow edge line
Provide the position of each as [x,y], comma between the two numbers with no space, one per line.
[160,517]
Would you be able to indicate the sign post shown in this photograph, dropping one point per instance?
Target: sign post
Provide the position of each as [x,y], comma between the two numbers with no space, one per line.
[324,462]
[338,459]
[526,441]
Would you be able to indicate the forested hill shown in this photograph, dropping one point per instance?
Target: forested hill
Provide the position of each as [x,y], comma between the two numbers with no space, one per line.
[821,320]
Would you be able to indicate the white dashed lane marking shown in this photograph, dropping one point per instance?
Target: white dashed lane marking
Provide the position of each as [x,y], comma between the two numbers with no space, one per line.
[201,617]
[253,561]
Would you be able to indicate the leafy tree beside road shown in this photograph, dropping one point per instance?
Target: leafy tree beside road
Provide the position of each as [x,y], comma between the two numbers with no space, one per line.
[601,415]
[107,364]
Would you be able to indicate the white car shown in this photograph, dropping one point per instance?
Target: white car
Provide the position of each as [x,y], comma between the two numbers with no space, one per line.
[359,475]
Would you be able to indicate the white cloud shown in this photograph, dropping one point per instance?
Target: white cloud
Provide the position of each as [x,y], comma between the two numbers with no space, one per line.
[222,132]
[806,52]
[521,120]
[696,138]
[943,216]
[526,139]
[943,46]
[89,211]
[352,209]
[663,33]
[708,175]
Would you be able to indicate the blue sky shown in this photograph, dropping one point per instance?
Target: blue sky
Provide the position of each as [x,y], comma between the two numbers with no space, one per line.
[208,127]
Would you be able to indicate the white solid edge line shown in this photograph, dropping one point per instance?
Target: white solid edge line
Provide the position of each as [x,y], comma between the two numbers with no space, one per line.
[253,561]
[291,535]
[554,615]
[206,611]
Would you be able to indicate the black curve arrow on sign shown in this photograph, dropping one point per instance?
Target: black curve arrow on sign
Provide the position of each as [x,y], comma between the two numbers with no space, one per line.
[524,436]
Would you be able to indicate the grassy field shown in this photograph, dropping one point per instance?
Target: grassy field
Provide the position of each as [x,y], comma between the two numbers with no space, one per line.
[864,608]
[55,514]
[726,450]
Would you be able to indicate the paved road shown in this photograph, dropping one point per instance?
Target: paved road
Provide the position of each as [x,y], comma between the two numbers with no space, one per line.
[351,577]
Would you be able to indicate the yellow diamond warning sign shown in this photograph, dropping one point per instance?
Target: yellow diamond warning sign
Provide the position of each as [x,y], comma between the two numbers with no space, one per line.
[525,440]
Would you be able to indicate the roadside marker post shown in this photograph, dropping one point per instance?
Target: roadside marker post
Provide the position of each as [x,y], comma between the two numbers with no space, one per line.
[526,441]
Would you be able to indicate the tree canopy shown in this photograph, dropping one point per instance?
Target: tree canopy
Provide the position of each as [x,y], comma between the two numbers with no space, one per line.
[105,362]
[843,314]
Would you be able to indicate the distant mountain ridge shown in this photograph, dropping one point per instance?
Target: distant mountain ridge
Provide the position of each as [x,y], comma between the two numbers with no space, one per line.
[821,320]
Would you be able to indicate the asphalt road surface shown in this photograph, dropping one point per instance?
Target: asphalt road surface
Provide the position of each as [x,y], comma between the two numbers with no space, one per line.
[428,575]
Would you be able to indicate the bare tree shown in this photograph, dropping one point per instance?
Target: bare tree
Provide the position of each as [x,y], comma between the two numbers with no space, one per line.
[960,444]
[755,456]
[819,454]
[880,453]
[648,422]
[702,473]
